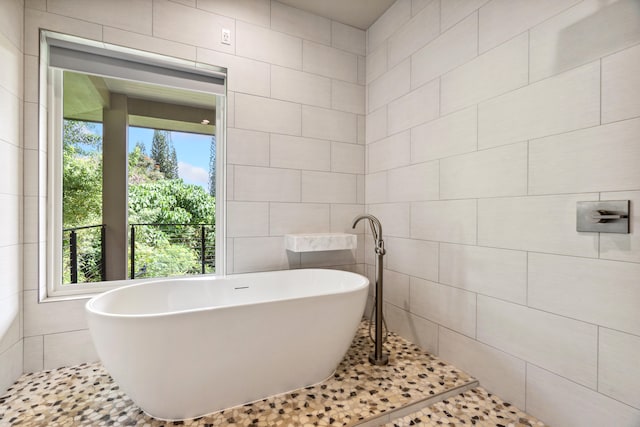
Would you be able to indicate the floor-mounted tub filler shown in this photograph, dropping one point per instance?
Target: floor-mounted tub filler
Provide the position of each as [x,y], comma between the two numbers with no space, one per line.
[182,348]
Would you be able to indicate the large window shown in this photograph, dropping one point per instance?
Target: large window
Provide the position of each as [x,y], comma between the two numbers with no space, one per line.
[135,147]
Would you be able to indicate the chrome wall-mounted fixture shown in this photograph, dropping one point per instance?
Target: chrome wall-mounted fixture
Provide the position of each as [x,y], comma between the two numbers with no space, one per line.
[603,217]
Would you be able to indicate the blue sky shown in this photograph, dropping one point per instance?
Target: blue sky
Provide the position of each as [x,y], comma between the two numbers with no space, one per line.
[192,151]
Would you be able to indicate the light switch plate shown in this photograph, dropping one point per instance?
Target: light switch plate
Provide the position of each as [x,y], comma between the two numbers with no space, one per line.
[226,36]
[587,210]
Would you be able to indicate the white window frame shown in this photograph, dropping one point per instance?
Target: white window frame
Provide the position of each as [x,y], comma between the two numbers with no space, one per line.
[50,172]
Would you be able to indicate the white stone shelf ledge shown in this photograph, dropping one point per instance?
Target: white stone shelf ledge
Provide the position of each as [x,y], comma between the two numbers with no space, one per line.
[315,242]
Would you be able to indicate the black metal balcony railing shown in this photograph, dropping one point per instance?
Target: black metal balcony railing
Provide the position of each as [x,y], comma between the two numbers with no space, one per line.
[89,263]
[158,250]
[155,250]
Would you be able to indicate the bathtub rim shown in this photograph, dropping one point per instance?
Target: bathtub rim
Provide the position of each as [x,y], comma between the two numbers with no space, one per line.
[92,310]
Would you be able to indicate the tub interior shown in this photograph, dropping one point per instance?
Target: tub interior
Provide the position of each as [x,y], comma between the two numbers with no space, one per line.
[197,293]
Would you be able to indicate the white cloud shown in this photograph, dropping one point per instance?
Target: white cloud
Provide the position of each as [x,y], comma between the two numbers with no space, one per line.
[193,174]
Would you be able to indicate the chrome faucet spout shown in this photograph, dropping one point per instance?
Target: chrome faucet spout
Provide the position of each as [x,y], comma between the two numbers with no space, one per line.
[376,227]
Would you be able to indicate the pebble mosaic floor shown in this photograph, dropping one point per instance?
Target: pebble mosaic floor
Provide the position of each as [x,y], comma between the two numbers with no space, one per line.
[476,407]
[85,395]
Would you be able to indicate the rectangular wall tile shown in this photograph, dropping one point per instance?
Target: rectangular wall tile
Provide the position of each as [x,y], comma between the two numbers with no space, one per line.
[619,371]
[247,219]
[564,346]
[342,217]
[330,62]
[581,34]
[347,158]
[294,152]
[376,63]
[376,187]
[421,29]
[348,38]
[413,257]
[137,18]
[602,158]
[329,124]
[35,19]
[262,254]
[10,319]
[453,11]
[49,318]
[148,43]
[563,103]
[185,24]
[496,172]
[444,305]
[33,354]
[396,16]
[620,84]
[422,332]
[447,136]
[11,164]
[396,289]
[444,221]
[596,291]
[450,50]
[389,86]
[266,184]
[297,86]
[300,23]
[245,147]
[500,20]
[268,115]
[623,247]
[416,107]
[286,218]
[11,266]
[266,45]
[394,216]
[10,109]
[347,97]
[12,368]
[328,187]
[539,223]
[328,258]
[560,402]
[376,125]
[254,11]
[68,349]
[389,153]
[498,372]
[423,179]
[500,70]
[495,272]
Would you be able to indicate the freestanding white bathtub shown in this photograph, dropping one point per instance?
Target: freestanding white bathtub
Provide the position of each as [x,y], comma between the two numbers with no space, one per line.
[182,348]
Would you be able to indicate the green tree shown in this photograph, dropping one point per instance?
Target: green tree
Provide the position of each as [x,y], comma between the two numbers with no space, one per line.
[163,153]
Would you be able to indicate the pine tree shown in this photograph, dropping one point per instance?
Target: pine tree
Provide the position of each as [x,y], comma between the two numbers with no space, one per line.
[164,154]
[212,167]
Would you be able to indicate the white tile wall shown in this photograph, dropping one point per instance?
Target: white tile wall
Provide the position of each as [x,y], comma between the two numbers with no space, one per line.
[601,158]
[539,224]
[145,42]
[620,83]
[348,38]
[619,371]
[299,23]
[266,184]
[245,75]
[450,50]
[267,115]
[498,372]
[564,346]
[494,272]
[451,221]
[329,124]
[269,46]
[453,134]
[348,158]
[560,402]
[137,19]
[583,289]
[420,331]
[414,108]
[421,29]
[563,103]
[528,94]
[68,348]
[444,305]
[328,187]
[347,97]
[253,11]
[330,62]
[298,86]
[246,219]
[262,254]
[245,147]
[496,172]
[294,152]
[286,218]
[581,34]
[500,70]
